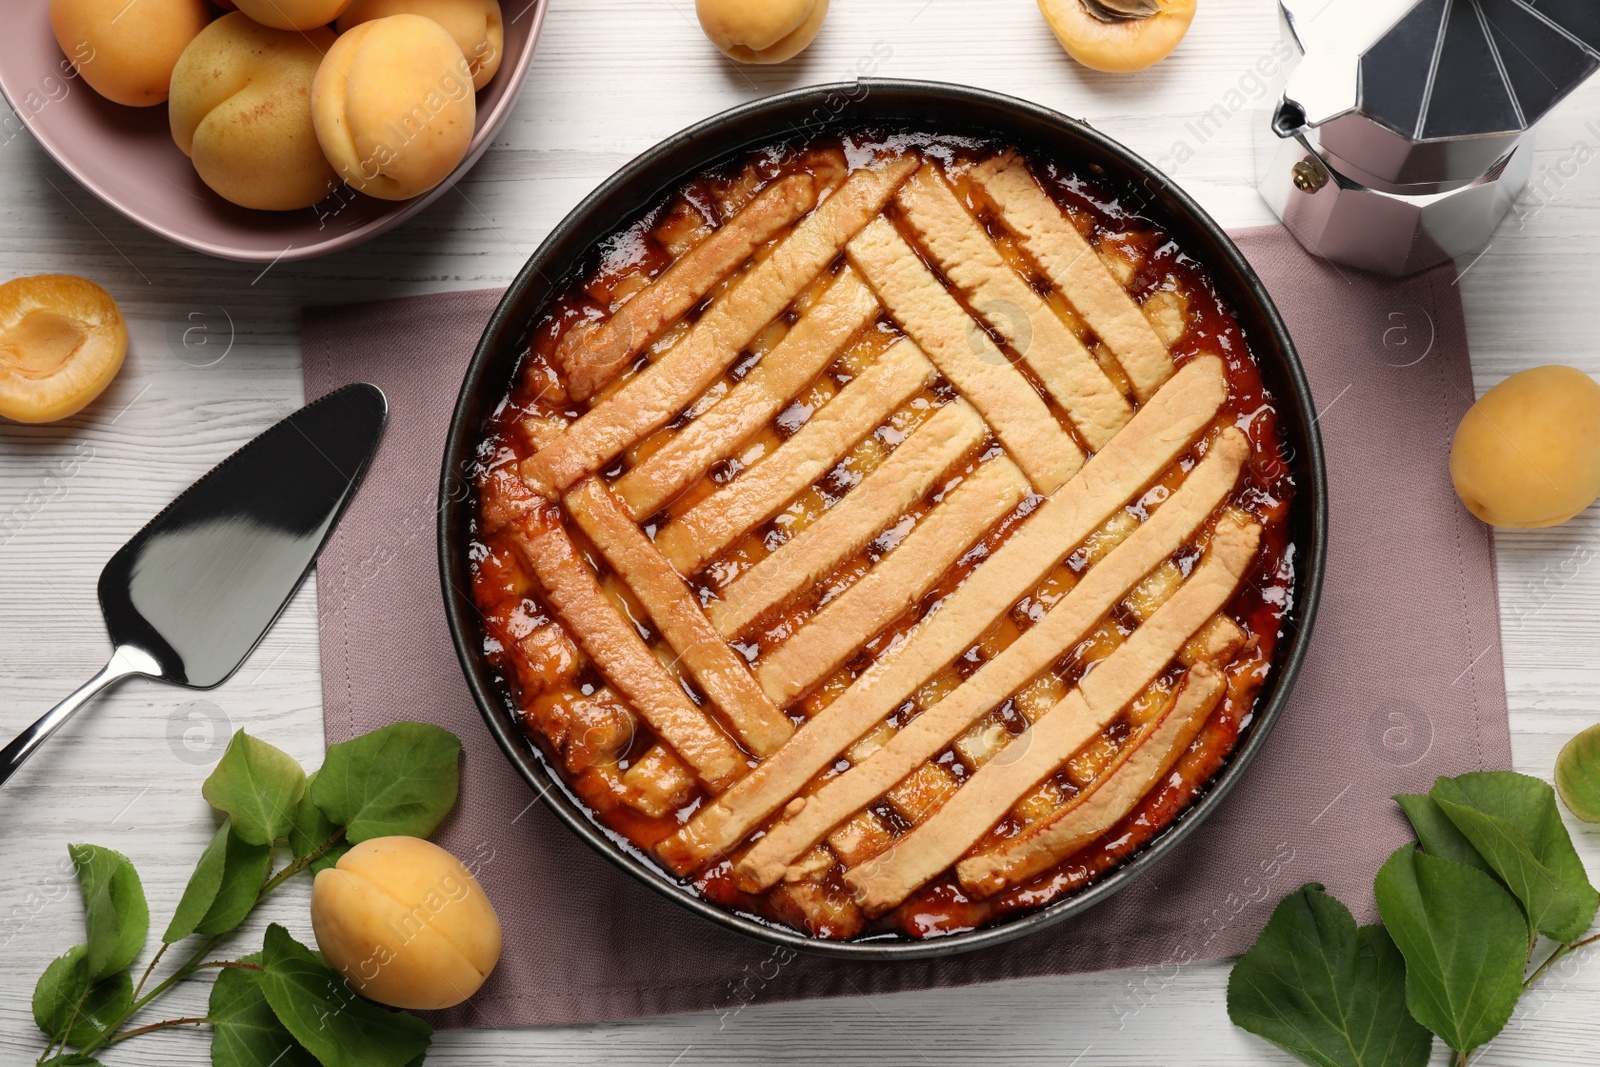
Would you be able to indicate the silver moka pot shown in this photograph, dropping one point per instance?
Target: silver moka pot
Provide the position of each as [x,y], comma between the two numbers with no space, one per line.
[1402,136]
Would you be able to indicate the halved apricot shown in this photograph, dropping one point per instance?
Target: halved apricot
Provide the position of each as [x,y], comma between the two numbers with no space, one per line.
[62,340]
[1118,35]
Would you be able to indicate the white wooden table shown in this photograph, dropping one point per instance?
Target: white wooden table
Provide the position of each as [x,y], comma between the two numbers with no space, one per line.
[611,78]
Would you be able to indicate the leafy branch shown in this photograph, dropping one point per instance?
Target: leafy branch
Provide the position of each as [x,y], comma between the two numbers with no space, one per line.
[1492,872]
[282,1005]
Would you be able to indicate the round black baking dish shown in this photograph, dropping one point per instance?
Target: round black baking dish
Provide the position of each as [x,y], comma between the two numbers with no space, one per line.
[804,115]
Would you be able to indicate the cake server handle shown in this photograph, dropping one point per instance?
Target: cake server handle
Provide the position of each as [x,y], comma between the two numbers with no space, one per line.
[125,662]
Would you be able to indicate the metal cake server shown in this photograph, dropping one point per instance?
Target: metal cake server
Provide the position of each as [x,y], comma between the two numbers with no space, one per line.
[194,592]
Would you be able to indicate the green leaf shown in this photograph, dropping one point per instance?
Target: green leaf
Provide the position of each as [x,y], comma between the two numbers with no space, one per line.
[72,1059]
[245,1032]
[1513,821]
[322,1012]
[114,908]
[223,888]
[1437,833]
[312,829]
[69,1004]
[1578,775]
[400,780]
[1330,994]
[1465,942]
[258,786]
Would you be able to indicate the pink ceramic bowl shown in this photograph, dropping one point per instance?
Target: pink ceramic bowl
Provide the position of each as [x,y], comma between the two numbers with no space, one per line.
[127,158]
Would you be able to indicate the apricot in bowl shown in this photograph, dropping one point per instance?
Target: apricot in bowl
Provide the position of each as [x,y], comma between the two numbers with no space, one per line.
[393,106]
[476,25]
[126,52]
[62,340]
[292,14]
[241,111]
[1528,453]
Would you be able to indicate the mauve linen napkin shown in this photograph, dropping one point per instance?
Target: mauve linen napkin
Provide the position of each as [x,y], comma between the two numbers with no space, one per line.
[1404,681]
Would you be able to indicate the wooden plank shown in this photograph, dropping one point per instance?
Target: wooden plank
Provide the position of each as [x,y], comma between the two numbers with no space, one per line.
[888,492]
[1158,434]
[675,610]
[895,583]
[965,355]
[590,357]
[814,342]
[1075,269]
[1007,303]
[938,843]
[706,530]
[671,383]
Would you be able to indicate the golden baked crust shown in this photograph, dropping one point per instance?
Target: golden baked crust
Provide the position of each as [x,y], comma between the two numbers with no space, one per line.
[892,537]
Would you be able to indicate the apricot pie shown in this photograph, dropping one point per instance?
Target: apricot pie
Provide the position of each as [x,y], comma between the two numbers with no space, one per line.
[887,534]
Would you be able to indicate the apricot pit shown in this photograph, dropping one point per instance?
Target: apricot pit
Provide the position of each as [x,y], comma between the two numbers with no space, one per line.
[1118,36]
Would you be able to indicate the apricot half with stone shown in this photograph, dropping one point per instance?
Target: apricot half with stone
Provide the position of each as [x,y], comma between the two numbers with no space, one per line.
[1118,35]
[1528,453]
[125,51]
[405,923]
[476,25]
[761,31]
[292,14]
[241,111]
[394,106]
[62,340]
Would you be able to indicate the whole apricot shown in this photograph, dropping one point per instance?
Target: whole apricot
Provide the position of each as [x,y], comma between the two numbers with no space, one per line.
[1528,453]
[761,31]
[292,14]
[394,106]
[124,51]
[62,340]
[241,111]
[476,26]
[1118,35]
[405,923]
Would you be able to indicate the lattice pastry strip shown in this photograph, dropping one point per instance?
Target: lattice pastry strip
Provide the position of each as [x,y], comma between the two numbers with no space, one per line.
[611,642]
[589,357]
[1076,270]
[886,493]
[761,491]
[1069,621]
[1157,435]
[886,880]
[676,612]
[992,289]
[665,388]
[965,355]
[896,582]
[815,340]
